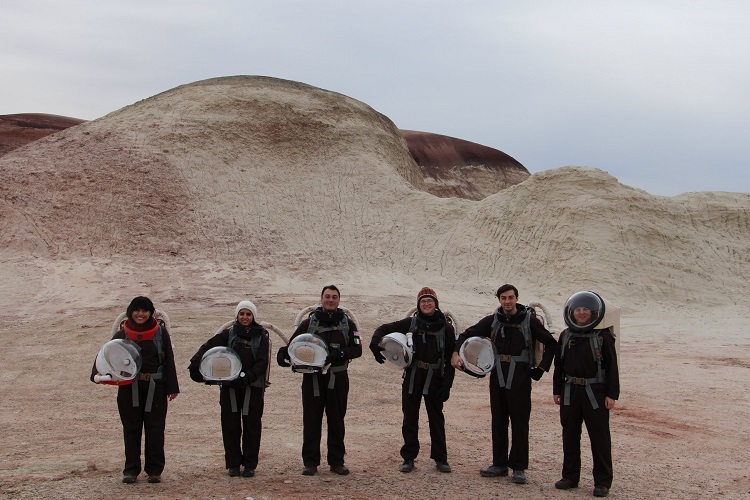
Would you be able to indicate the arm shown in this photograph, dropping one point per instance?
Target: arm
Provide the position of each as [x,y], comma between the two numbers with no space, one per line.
[171,385]
[353,347]
[609,355]
[261,362]
[450,345]
[482,329]
[542,335]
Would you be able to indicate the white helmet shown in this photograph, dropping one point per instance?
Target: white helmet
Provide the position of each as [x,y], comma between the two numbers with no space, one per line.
[307,353]
[119,359]
[220,364]
[478,356]
[396,349]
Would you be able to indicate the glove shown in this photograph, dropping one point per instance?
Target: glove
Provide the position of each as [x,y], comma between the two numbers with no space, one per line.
[536,373]
[376,350]
[443,393]
[282,357]
[195,374]
[333,355]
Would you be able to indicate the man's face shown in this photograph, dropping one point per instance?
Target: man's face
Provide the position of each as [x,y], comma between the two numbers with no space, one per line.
[330,300]
[245,317]
[427,306]
[582,315]
[508,301]
[140,316]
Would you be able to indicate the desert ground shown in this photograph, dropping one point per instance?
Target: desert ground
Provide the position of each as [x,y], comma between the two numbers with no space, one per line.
[261,189]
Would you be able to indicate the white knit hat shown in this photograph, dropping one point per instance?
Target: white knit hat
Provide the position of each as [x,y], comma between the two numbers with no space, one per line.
[246,304]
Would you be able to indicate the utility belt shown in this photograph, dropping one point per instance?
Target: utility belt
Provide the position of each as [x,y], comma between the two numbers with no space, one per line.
[260,383]
[585,382]
[332,370]
[151,378]
[422,365]
[513,360]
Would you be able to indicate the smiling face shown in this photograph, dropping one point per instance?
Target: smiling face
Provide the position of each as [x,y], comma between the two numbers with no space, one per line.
[427,306]
[330,299]
[508,301]
[245,317]
[140,316]
[582,315]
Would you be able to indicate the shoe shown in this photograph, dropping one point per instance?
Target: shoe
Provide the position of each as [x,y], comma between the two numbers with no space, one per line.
[519,477]
[494,471]
[129,479]
[407,466]
[248,472]
[443,466]
[234,471]
[566,484]
[154,478]
[601,491]
[310,470]
[341,470]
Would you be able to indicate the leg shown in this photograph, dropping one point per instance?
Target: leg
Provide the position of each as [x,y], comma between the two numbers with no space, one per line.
[312,420]
[337,400]
[519,408]
[500,420]
[571,419]
[154,423]
[132,429]
[231,429]
[597,426]
[251,428]
[436,419]
[410,404]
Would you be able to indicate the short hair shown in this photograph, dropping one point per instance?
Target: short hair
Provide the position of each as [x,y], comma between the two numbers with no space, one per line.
[330,287]
[140,303]
[506,288]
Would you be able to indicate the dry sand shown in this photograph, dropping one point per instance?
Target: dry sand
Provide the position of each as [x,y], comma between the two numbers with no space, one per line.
[257,188]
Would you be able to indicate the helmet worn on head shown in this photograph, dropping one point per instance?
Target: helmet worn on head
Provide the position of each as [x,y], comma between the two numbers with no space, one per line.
[307,353]
[478,356]
[119,359]
[591,301]
[220,364]
[397,350]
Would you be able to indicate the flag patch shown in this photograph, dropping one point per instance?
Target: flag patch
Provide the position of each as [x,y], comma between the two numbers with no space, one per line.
[357,338]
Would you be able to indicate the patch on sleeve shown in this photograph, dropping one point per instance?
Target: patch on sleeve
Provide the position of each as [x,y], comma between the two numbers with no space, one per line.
[357,338]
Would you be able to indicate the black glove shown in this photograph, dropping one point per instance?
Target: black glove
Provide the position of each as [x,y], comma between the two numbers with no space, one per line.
[536,373]
[376,350]
[195,374]
[443,393]
[282,357]
[333,355]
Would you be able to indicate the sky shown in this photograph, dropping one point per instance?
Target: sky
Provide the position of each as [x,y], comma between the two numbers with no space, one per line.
[655,92]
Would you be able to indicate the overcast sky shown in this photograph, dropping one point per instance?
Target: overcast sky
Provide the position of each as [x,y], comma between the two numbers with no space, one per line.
[655,92]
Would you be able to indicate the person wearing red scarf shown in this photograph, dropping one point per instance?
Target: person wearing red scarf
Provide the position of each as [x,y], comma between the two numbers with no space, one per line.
[143,404]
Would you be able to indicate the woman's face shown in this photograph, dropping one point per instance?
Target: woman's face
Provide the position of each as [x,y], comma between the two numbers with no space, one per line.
[582,315]
[140,316]
[245,317]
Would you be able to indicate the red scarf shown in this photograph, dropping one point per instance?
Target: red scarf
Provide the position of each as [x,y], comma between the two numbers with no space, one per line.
[136,332]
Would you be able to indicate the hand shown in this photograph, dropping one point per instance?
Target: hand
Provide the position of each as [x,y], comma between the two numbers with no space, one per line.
[282,357]
[376,350]
[609,403]
[443,393]
[536,373]
[333,355]
[172,396]
[556,399]
[456,361]
[195,374]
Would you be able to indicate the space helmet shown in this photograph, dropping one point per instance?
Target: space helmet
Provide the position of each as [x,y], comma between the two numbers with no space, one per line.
[396,350]
[220,364]
[118,362]
[589,300]
[307,353]
[478,356]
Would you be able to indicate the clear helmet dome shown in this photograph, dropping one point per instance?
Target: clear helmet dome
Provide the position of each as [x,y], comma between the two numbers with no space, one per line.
[396,350]
[119,359]
[478,355]
[307,353]
[583,310]
[220,364]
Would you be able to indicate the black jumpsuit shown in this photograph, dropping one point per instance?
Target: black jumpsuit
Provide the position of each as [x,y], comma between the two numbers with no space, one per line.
[579,361]
[241,433]
[426,352]
[511,404]
[332,402]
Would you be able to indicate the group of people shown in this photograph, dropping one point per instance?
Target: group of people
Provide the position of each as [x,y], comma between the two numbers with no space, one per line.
[585,384]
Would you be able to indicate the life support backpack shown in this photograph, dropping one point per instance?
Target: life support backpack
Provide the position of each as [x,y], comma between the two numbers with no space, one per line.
[527,355]
[595,341]
[430,367]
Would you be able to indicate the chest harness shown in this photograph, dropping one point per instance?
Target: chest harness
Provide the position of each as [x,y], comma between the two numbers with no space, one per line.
[254,344]
[342,326]
[595,341]
[527,354]
[151,378]
[419,328]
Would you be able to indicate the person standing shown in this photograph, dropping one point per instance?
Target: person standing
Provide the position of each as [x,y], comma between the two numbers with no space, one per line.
[326,392]
[586,384]
[512,328]
[143,404]
[242,399]
[429,376]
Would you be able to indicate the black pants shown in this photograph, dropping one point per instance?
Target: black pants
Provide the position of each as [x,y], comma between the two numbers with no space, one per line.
[597,425]
[512,405]
[410,404]
[333,403]
[237,428]
[136,421]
